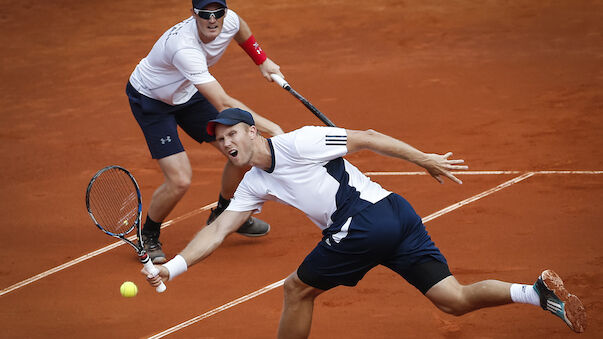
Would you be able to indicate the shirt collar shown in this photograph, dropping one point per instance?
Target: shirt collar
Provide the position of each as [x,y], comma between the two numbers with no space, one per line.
[273,161]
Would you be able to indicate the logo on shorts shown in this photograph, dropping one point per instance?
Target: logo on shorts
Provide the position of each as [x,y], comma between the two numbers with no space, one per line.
[167,139]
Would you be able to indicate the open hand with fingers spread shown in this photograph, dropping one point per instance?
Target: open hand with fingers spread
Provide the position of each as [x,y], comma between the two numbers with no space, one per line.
[437,164]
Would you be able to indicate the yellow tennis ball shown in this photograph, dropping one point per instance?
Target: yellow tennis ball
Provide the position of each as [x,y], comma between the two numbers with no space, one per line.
[128,289]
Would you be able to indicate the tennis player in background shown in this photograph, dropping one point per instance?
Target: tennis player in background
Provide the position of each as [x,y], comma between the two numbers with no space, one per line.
[171,87]
[363,225]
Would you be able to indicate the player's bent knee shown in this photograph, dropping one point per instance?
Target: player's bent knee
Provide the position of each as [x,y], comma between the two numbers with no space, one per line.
[449,297]
[454,309]
[453,303]
[182,183]
[177,187]
[179,181]
[177,172]
[296,290]
[292,288]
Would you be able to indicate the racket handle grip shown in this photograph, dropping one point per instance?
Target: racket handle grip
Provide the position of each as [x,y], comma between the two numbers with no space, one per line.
[280,81]
[152,270]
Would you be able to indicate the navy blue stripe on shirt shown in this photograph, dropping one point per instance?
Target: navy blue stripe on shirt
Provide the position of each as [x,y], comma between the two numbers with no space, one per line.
[347,199]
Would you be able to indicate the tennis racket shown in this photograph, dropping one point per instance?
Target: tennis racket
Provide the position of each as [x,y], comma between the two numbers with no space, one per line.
[285,85]
[114,203]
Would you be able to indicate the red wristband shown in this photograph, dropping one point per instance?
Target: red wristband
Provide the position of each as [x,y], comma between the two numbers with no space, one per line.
[254,50]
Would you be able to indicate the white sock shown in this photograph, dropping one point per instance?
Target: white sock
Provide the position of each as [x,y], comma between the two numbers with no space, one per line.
[525,294]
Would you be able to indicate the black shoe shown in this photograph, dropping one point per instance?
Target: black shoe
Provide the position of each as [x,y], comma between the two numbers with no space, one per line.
[153,248]
[253,227]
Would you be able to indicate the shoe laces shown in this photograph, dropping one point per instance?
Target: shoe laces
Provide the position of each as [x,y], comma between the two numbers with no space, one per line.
[151,242]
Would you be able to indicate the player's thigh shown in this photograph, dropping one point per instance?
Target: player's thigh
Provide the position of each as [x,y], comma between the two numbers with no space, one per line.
[427,274]
[350,248]
[158,125]
[325,268]
[416,258]
[177,169]
[446,294]
[295,288]
[194,116]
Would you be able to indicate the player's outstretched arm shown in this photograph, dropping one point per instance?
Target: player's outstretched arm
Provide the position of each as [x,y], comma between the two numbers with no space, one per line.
[211,236]
[436,164]
[214,92]
[201,246]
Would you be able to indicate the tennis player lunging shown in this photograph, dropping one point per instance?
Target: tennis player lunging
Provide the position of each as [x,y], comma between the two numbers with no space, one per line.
[363,225]
[172,87]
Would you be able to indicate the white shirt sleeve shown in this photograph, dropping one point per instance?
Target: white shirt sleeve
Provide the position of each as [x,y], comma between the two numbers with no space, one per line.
[321,143]
[248,197]
[193,65]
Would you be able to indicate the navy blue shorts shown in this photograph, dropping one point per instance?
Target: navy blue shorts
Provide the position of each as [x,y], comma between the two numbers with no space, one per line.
[159,121]
[387,233]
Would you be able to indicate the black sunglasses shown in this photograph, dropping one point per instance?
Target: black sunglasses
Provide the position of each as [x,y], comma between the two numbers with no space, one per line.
[205,14]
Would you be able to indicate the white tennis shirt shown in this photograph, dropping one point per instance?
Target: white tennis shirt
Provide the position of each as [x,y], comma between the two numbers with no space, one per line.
[309,173]
[179,60]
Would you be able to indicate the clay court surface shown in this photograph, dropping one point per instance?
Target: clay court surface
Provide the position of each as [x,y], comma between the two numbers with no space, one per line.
[506,85]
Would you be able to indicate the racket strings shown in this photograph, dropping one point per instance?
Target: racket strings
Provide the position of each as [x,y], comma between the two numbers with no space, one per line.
[114,201]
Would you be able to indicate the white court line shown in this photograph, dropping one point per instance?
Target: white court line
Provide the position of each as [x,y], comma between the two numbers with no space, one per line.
[97,252]
[279,283]
[487,172]
[454,172]
[569,172]
[219,309]
[204,208]
[477,196]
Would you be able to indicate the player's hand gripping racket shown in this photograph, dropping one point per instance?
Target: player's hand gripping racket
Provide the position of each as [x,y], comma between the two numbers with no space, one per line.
[115,205]
[281,82]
